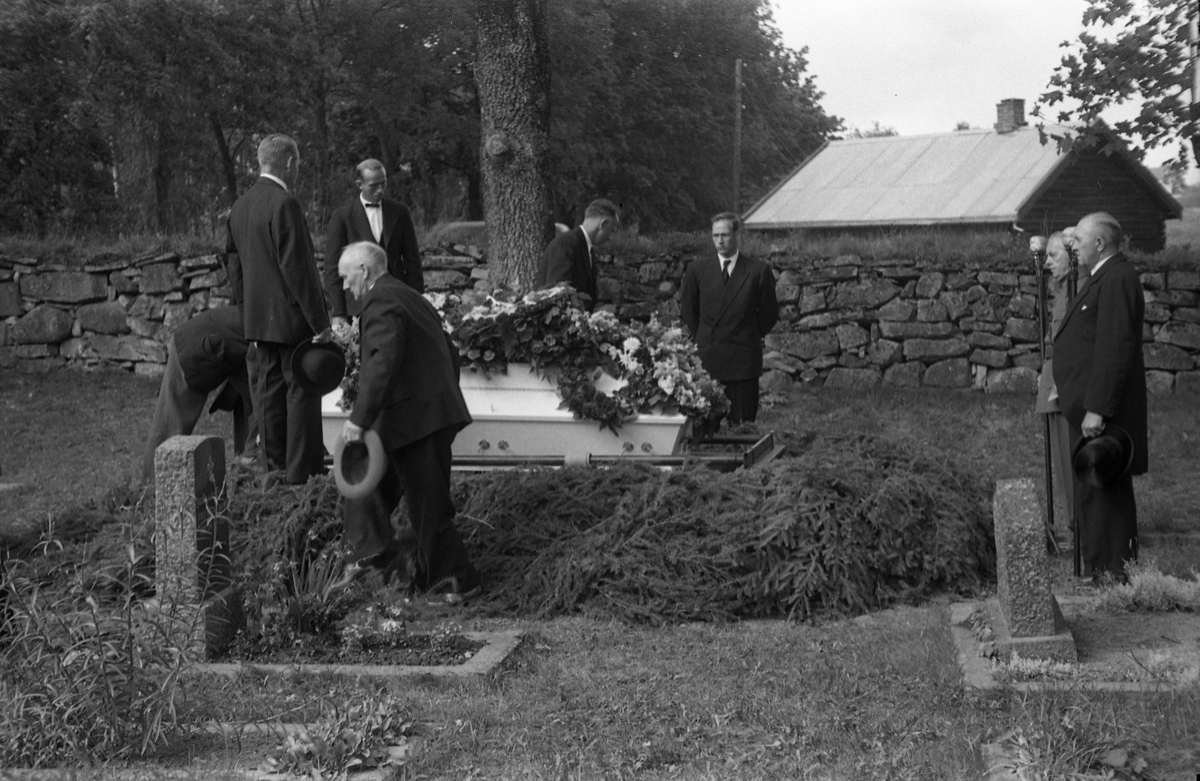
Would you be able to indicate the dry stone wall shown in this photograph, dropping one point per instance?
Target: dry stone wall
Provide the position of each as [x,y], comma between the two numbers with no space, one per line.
[845,322]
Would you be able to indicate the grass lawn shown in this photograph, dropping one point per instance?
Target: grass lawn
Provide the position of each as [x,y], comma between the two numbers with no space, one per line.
[877,697]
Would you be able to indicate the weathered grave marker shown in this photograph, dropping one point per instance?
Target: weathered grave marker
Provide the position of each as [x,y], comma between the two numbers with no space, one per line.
[1028,621]
[191,541]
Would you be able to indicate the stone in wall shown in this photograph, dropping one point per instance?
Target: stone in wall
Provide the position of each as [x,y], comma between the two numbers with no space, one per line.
[805,346]
[927,349]
[783,362]
[105,318]
[1181,334]
[174,314]
[996,359]
[897,310]
[853,379]
[776,382]
[931,312]
[850,336]
[905,375]
[44,324]
[1017,380]
[189,266]
[1026,360]
[652,272]
[1157,313]
[665,289]
[122,283]
[1166,356]
[957,280]
[955,302]
[865,294]
[1188,383]
[207,279]
[67,287]
[822,362]
[142,327]
[36,351]
[975,293]
[128,348]
[929,285]
[147,307]
[885,352]
[953,373]
[161,278]
[915,330]
[991,307]
[812,300]
[1184,280]
[998,278]
[1022,306]
[1153,280]
[1159,383]
[1187,315]
[1172,297]
[77,349]
[986,341]
[1021,330]
[10,300]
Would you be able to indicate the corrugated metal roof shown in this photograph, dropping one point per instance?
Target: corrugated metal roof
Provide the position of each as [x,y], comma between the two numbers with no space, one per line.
[967,176]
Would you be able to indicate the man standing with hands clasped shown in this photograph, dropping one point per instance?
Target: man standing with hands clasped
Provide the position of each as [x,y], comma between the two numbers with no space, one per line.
[369,216]
[728,304]
[275,284]
[408,394]
[1101,381]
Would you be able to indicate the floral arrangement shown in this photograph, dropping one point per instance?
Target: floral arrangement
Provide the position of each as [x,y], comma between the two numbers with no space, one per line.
[549,330]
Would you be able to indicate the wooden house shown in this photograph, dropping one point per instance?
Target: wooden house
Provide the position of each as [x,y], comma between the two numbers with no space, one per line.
[972,179]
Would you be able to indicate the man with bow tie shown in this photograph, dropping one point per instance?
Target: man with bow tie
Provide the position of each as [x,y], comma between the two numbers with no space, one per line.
[728,304]
[571,256]
[370,217]
[1101,380]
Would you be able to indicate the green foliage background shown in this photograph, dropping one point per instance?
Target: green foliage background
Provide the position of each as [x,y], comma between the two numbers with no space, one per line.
[129,116]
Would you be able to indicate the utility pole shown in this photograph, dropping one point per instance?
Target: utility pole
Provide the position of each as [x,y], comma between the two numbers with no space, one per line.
[737,135]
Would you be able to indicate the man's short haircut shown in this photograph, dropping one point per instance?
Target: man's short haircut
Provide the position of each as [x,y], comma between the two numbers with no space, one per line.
[1109,228]
[370,164]
[733,218]
[374,256]
[275,149]
[603,209]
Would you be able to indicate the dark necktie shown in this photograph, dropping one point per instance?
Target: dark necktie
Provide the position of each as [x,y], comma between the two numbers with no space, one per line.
[371,205]
[725,269]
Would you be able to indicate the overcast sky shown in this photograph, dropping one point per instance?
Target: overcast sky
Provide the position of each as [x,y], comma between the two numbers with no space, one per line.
[922,66]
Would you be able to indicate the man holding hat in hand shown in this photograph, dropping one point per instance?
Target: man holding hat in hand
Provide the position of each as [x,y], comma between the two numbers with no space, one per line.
[408,395]
[1101,381]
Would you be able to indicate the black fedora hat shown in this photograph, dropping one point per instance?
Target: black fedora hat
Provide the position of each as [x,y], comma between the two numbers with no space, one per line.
[1102,460]
[358,466]
[318,366]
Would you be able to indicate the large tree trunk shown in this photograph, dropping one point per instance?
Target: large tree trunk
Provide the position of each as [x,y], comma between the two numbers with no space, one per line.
[512,71]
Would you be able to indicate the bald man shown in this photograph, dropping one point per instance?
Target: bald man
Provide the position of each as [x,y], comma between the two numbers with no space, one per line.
[408,393]
[1101,380]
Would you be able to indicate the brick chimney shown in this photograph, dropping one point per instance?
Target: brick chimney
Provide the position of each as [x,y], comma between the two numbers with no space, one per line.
[1010,115]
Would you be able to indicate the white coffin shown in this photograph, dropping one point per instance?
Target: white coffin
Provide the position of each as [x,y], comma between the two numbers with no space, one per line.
[518,414]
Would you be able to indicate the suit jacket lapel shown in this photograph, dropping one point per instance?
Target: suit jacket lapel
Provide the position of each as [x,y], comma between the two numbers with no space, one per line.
[362,223]
[1083,289]
[390,216]
[737,278]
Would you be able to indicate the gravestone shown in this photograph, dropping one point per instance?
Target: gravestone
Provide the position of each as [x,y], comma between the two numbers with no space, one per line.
[191,539]
[1026,616]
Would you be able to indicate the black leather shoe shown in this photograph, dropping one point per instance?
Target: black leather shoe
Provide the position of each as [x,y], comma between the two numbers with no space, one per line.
[451,592]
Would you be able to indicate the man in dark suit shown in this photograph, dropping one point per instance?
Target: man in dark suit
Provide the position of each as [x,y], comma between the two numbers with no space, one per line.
[728,304]
[370,217]
[407,393]
[208,352]
[1101,380]
[275,284]
[570,257]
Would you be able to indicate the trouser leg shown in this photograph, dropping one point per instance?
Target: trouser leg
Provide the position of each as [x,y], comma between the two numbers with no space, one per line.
[175,413]
[305,452]
[743,400]
[265,369]
[441,553]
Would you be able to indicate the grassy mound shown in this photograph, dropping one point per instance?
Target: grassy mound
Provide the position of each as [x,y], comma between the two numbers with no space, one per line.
[848,526]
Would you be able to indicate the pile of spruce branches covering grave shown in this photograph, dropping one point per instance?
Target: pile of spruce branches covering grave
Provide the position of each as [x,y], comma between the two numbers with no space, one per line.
[848,525]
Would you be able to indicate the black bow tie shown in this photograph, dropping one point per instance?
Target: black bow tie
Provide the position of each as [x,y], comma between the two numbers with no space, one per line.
[371,205]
